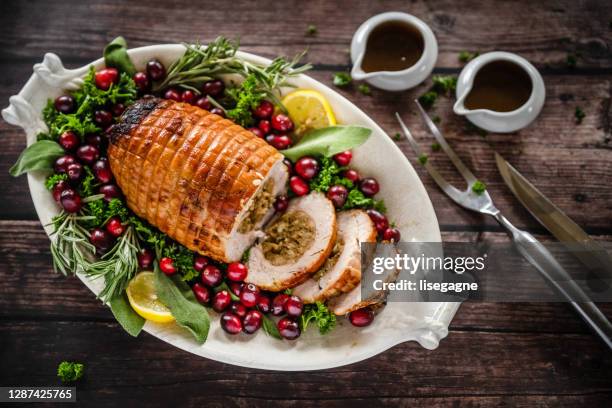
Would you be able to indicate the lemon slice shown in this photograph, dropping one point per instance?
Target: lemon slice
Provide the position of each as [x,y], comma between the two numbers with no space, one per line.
[144,301]
[308,110]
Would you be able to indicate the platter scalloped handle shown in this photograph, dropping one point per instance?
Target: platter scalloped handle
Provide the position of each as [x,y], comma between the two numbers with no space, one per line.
[52,72]
[21,113]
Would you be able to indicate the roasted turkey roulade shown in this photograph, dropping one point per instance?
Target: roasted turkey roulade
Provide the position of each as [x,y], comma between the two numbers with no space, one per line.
[201,179]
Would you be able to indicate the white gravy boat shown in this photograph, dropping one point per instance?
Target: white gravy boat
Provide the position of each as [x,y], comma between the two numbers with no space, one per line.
[394,80]
[493,121]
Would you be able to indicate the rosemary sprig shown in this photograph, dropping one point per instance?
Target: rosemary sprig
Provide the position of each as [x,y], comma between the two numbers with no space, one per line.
[203,63]
[117,266]
[200,64]
[71,250]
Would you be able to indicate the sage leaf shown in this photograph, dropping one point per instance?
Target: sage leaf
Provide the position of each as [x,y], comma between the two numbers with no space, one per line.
[179,298]
[38,156]
[328,141]
[125,315]
[116,56]
[270,328]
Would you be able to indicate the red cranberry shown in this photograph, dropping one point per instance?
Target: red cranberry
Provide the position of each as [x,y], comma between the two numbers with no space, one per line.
[337,194]
[288,328]
[281,142]
[264,110]
[115,227]
[231,323]
[380,221]
[218,111]
[58,188]
[249,295]
[74,172]
[70,200]
[343,158]
[264,304]
[172,94]
[156,70]
[307,167]
[264,126]
[298,186]
[269,138]
[211,276]
[100,239]
[200,262]
[142,81]
[88,153]
[289,165]
[236,287]
[237,272]
[65,104]
[204,103]
[221,300]
[362,317]
[282,123]
[145,258]
[102,171]
[62,163]
[252,321]
[103,118]
[278,304]
[167,266]
[238,309]
[110,191]
[351,175]
[281,203]
[369,186]
[94,139]
[294,306]
[69,140]
[188,96]
[213,88]
[257,132]
[201,293]
[106,77]
[392,235]
[118,109]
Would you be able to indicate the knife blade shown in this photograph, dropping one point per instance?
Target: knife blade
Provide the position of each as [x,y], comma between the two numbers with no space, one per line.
[552,217]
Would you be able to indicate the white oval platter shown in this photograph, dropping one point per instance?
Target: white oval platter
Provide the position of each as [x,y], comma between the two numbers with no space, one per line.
[405,196]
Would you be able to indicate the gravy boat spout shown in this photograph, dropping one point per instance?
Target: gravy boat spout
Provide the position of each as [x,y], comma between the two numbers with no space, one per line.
[358,74]
[459,106]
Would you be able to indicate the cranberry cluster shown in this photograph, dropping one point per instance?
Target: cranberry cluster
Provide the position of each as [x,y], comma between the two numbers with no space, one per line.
[87,152]
[273,128]
[245,314]
[155,71]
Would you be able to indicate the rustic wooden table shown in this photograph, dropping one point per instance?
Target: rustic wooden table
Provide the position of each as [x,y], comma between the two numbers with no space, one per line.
[495,354]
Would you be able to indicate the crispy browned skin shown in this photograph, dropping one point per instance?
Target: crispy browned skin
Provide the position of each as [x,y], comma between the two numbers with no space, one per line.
[187,171]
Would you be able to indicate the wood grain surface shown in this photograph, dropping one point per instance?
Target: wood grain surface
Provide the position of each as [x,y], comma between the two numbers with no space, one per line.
[537,354]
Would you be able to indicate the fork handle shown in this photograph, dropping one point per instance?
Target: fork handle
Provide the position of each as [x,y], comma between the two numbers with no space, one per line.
[541,258]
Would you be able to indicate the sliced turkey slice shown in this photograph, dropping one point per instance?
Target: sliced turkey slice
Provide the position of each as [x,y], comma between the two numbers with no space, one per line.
[295,245]
[347,302]
[341,272]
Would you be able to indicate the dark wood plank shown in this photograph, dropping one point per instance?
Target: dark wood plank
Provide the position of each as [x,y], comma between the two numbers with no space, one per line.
[29,289]
[544,32]
[475,366]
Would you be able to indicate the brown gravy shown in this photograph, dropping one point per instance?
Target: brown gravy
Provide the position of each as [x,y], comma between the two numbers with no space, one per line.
[392,46]
[500,86]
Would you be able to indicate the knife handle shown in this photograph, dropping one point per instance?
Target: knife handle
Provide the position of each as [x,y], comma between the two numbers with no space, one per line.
[541,258]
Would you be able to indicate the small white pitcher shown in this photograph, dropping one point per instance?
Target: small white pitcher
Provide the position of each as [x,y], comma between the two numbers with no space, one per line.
[394,80]
[493,121]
